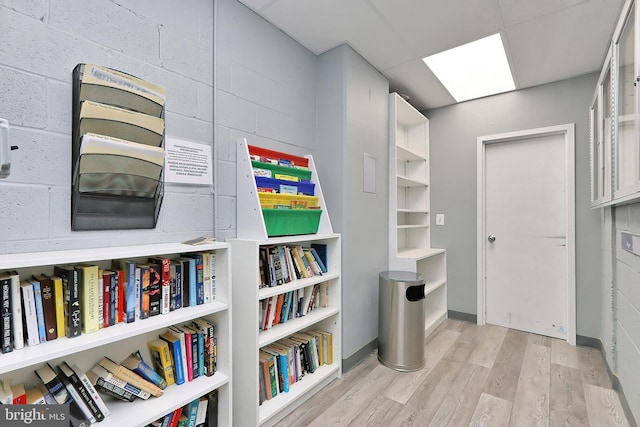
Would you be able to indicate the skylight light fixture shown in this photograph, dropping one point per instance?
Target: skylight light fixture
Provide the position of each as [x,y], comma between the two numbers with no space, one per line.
[473,70]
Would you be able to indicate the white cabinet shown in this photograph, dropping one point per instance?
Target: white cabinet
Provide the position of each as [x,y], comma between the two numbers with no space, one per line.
[409,206]
[249,339]
[614,114]
[118,341]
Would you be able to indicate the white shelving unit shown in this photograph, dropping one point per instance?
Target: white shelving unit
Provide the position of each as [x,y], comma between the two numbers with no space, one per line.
[120,340]
[409,207]
[248,339]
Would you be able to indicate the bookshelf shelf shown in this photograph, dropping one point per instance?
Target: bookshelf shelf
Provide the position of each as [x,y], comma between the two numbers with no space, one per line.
[173,398]
[283,330]
[409,206]
[248,339]
[120,340]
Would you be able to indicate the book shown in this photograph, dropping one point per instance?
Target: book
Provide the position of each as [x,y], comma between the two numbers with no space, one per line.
[175,417]
[198,343]
[29,313]
[78,390]
[109,389]
[120,296]
[19,394]
[136,363]
[109,86]
[328,345]
[164,266]
[144,290]
[191,346]
[191,411]
[76,400]
[264,361]
[16,311]
[206,277]
[201,413]
[212,269]
[176,355]
[130,376]
[72,291]
[155,288]
[320,249]
[88,279]
[212,409]
[48,306]
[183,351]
[52,382]
[116,122]
[129,267]
[37,296]
[161,360]
[34,396]
[91,390]
[315,268]
[107,300]
[6,314]
[198,298]
[58,297]
[174,278]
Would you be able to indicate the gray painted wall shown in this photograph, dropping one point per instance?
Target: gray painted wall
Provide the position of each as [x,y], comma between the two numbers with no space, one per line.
[40,44]
[624,356]
[265,92]
[454,130]
[353,111]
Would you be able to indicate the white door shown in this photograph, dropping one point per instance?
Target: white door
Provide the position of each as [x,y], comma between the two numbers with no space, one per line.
[526,233]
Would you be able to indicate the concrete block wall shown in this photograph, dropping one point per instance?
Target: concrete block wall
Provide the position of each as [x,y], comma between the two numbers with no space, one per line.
[626,309]
[40,43]
[265,92]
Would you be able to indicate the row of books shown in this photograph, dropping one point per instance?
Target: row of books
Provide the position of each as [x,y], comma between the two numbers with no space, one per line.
[186,352]
[280,264]
[287,361]
[84,298]
[291,305]
[201,412]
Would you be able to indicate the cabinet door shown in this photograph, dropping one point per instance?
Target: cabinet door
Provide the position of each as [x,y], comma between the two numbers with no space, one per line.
[601,136]
[626,156]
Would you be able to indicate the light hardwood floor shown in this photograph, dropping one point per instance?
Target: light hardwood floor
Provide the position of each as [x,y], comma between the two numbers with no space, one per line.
[473,376]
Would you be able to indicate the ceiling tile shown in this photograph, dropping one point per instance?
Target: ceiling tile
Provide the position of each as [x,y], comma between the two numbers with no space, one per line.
[562,45]
[323,25]
[416,80]
[517,11]
[430,27]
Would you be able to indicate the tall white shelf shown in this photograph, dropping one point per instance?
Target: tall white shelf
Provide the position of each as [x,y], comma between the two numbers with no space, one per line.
[248,339]
[409,207]
[122,339]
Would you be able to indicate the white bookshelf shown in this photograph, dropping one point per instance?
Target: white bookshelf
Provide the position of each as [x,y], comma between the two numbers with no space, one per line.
[119,340]
[248,338]
[409,207]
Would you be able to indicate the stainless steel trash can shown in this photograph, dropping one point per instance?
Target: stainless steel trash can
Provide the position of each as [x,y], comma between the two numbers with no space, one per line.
[401,320]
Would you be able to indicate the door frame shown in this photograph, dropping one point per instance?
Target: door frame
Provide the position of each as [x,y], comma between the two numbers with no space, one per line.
[568,131]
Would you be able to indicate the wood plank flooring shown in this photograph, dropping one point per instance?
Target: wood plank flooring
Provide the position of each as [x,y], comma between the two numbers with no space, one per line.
[473,376]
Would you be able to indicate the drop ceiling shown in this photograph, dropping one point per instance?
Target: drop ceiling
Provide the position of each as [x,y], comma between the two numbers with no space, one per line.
[545,40]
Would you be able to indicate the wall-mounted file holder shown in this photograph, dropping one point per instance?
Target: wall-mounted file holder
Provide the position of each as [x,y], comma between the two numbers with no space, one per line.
[117,150]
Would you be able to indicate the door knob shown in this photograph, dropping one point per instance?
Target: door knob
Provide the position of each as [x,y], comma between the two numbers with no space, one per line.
[491,238]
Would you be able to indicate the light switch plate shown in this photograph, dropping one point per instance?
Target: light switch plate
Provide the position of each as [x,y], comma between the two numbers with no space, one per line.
[439,219]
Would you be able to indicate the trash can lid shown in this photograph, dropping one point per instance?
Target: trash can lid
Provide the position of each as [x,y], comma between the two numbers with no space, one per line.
[402,276]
